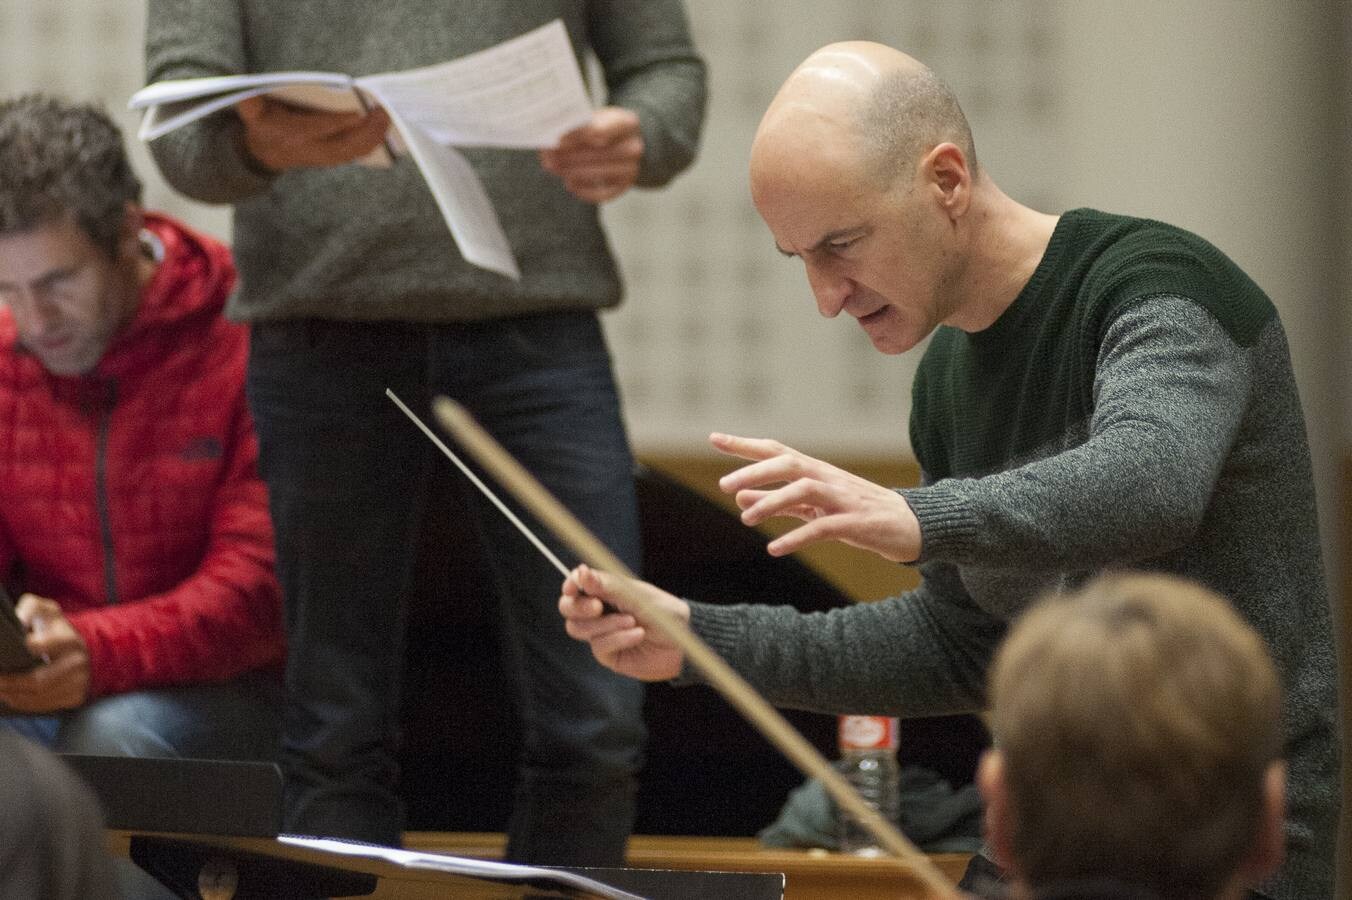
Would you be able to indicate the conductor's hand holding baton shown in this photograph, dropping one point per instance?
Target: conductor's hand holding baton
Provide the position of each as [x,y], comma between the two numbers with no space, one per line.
[618,640]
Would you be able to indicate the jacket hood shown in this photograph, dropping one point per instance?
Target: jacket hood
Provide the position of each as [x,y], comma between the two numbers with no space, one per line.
[194,277]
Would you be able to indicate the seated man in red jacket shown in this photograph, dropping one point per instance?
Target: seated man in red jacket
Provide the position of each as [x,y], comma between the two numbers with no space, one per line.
[134,529]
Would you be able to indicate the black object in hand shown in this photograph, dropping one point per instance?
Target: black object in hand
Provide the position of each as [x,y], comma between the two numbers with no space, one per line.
[14,654]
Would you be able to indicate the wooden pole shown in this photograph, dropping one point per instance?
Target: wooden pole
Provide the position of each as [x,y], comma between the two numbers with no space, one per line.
[531,494]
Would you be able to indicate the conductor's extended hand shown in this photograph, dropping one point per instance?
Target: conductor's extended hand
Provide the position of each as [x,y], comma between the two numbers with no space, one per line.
[619,640]
[835,505]
[280,136]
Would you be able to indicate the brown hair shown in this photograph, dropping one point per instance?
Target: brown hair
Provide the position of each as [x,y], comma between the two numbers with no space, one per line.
[60,160]
[1137,719]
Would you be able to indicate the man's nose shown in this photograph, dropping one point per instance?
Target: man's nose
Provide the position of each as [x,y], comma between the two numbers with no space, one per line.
[33,314]
[831,289]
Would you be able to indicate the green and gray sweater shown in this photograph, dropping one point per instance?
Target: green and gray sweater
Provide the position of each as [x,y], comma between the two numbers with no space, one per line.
[1134,407]
[355,243]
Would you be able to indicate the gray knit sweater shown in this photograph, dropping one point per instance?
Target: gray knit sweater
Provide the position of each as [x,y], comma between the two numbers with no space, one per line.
[363,244]
[1135,407]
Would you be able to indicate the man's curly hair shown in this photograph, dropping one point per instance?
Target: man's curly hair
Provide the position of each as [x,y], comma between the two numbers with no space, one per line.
[60,160]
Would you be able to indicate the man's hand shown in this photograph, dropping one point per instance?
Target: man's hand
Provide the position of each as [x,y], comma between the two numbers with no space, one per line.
[618,640]
[62,682]
[836,505]
[281,137]
[598,161]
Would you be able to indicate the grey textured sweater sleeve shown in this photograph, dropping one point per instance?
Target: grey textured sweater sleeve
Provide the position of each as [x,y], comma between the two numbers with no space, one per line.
[652,68]
[922,653]
[1169,393]
[192,39]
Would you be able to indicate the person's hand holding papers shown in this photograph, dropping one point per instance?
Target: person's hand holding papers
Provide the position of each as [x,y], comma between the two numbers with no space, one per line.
[619,640]
[599,160]
[280,136]
[525,93]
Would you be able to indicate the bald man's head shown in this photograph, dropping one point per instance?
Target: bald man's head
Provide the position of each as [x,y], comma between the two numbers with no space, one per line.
[871,103]
[906,116]
[861,168]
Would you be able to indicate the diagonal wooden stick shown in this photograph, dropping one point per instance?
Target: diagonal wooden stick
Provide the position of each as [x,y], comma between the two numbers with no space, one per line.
[531,494]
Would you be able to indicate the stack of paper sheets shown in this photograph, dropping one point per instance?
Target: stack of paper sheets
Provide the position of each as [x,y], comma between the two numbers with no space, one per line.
[524,93]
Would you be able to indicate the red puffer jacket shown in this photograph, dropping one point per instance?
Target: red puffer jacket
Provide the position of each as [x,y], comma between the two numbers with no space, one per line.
[130,495]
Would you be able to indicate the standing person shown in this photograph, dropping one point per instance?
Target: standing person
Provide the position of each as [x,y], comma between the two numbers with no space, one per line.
[135,529]
[1099,391]
[1138,739]
[353,285]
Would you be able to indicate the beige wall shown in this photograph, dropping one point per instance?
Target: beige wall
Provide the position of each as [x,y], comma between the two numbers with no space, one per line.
[1216,114]
[1229,131]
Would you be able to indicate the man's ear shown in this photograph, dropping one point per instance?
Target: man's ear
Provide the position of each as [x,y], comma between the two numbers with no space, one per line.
[990,781]
[1269,844]
[946,172]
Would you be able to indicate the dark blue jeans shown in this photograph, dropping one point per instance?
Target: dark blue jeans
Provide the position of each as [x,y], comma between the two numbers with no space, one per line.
[346,472]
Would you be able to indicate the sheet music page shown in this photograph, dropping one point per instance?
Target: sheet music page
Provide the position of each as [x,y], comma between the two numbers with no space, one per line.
[323,90]
[178,89]
[460,196]
[523,93]
[461,865]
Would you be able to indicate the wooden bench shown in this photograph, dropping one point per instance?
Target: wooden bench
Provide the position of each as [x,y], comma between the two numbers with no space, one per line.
[809,874]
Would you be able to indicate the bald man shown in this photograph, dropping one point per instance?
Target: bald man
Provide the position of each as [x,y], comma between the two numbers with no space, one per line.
[1098,392]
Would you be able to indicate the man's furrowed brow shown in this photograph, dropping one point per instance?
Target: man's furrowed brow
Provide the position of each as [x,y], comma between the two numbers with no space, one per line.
[827,239]
[42,282]
[51,276]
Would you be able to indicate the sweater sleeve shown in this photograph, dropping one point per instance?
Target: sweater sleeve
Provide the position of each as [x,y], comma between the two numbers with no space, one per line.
[651,67]
[1169,392]
[205,160]
[922,653]
[221,621]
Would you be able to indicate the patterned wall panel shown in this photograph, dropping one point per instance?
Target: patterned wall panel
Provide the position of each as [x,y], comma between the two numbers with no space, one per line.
[91,50]
[719,331]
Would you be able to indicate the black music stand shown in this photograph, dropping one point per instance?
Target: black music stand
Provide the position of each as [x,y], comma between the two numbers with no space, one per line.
[255,870]
[209,829]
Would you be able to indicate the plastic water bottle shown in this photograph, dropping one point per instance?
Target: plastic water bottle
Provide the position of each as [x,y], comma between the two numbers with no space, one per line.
[868,760]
